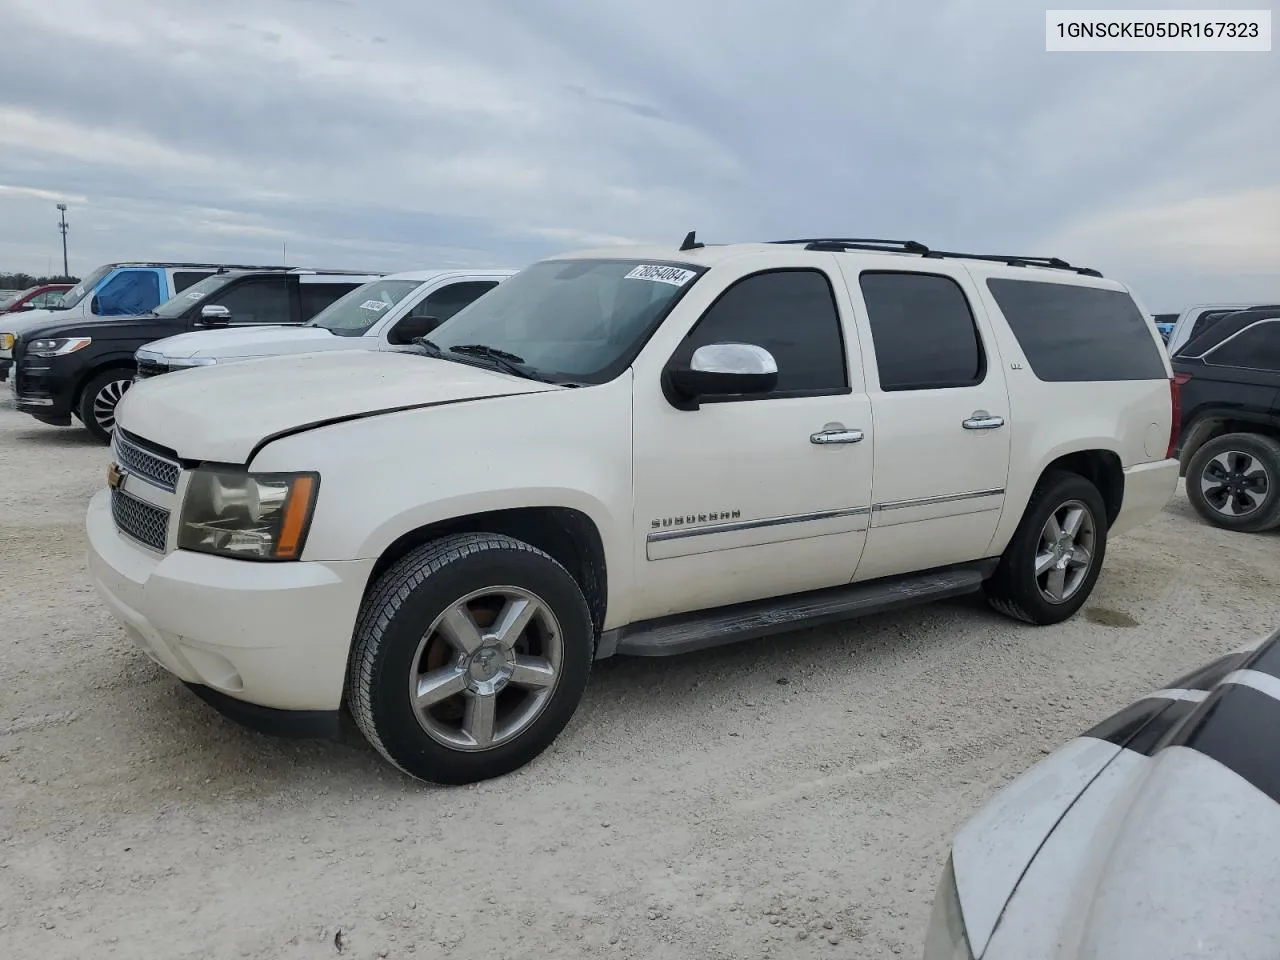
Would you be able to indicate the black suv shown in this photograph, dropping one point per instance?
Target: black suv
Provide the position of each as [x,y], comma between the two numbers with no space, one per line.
[82,368]
[1229,389]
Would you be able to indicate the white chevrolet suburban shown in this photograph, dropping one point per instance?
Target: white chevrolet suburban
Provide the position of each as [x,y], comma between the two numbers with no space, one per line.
[386,314]
[637,451]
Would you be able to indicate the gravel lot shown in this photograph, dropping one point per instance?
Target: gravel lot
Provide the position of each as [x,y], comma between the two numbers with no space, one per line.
[792,797]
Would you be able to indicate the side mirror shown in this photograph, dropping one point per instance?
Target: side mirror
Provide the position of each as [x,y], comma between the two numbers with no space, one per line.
[410,329]
[720,369]
[95,306]
[213,315]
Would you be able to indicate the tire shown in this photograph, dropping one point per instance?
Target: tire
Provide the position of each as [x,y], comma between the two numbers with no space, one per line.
[422,614]
[1233,482]
[98,399]
[1022,586]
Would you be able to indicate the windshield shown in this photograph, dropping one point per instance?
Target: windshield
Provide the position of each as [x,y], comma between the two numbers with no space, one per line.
[84,287]
[9,296]
[578,320]
[357,311]
[183,302]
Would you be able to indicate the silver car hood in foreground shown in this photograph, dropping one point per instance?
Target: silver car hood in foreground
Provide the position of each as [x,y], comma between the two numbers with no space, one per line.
[1156,834]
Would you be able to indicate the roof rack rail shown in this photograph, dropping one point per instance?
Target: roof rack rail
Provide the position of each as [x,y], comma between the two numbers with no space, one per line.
[841,244]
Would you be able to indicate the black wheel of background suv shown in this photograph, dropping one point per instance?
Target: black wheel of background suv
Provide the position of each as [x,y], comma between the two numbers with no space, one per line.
[1233,481]
[470,656]
[98,399]
[1052,563]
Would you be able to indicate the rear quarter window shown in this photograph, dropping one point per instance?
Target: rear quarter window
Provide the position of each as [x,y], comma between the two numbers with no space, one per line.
[1077,333]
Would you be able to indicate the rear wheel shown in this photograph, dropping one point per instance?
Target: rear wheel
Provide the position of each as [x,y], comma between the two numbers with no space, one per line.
[1053,561]
[1233,481]
[98,400]
[470,656]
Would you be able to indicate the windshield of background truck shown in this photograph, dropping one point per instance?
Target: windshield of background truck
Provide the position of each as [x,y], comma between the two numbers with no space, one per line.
[581,320]
[353,314]
[84,287]
[189,297]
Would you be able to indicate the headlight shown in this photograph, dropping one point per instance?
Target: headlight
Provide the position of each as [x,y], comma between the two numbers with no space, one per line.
[946,938]
[6,341]
[184,362]
[57,348]
[256,516]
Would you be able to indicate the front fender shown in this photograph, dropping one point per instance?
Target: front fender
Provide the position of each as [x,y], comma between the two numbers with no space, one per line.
[385,476]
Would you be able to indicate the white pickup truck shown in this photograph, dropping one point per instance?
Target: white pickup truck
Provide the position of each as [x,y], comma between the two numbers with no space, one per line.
[637,451]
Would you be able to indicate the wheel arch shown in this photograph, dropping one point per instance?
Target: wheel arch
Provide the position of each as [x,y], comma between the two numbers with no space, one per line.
[1101,467]
[567,535]
[110,363]
[1216,423]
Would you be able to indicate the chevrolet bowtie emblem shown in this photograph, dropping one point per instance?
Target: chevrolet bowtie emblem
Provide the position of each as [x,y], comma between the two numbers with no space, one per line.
[115,476]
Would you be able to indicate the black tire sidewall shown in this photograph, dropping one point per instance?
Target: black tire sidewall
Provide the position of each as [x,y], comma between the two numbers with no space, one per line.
[1266,516]
[91,390]
[1017,581]
[403,738]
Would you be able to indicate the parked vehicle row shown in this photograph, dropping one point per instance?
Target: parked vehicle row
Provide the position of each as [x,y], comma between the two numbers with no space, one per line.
[42,296]
[78,369]
[625,451]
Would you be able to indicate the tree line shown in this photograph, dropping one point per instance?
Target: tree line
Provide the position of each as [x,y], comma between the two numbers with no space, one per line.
[20,281]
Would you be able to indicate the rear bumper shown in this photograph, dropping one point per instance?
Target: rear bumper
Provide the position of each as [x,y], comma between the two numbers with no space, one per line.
[1147,488]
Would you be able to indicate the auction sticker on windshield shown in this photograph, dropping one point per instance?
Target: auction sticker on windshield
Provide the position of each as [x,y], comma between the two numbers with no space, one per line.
[374,305]
[657,273]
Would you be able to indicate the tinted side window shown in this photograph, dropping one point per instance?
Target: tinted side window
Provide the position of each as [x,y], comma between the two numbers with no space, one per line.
[792,314]
[1257,348]
[129,292]
[923,331]
[445,302]
[185,278]
[1075,333]
[264,300]
[315,297]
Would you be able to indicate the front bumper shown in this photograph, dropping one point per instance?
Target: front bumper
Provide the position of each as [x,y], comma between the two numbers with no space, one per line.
[42,392]
[274,635]
[1147,488]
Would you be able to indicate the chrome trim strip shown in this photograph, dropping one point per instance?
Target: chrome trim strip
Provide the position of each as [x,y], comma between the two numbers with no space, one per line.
[1218,346]
[738,525]
[930,501]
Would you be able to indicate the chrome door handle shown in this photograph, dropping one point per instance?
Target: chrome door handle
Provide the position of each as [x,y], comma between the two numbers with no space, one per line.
[839,435]
[981,420]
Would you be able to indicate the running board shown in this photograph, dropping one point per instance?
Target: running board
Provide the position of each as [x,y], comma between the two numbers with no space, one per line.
[684,633]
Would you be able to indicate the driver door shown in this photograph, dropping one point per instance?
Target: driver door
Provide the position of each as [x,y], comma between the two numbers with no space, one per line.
[743,498]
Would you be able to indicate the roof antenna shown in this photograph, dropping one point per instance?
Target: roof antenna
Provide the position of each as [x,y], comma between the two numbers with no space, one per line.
[691,242]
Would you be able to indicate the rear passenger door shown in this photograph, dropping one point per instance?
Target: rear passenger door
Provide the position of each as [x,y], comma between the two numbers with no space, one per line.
[941,411]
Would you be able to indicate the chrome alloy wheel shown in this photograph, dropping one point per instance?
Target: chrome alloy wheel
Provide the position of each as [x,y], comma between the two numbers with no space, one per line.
[1234,483]
[486,669]
[1065,555]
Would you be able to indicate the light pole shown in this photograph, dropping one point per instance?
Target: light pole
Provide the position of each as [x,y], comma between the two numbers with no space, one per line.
[62,226]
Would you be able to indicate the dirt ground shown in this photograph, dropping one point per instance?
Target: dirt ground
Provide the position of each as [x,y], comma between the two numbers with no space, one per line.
[792,797]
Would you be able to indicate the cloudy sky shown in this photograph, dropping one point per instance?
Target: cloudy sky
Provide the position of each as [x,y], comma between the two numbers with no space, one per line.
[396,134]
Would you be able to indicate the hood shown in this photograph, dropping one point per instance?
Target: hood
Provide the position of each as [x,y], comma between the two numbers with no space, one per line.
[245,342]
[20,323]
[1168,849]
[105,328]
[223,413]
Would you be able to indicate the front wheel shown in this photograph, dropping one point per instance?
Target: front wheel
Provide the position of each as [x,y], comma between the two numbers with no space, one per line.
[1233,481]
[98,400]
[1053,561]
[470,656]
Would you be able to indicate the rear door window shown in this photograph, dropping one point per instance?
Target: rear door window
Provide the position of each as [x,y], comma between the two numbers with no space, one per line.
[127,293]
[1255,348]
[1077,333]
[185,278]
[923,331]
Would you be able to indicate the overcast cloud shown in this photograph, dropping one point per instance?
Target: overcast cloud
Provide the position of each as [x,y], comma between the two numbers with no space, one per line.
[399,134]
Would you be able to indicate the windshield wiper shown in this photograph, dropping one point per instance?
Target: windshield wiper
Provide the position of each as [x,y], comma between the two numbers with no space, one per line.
[508,362]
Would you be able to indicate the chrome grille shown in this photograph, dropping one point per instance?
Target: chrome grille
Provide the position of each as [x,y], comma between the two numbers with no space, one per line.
[146,465]
[140,521]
